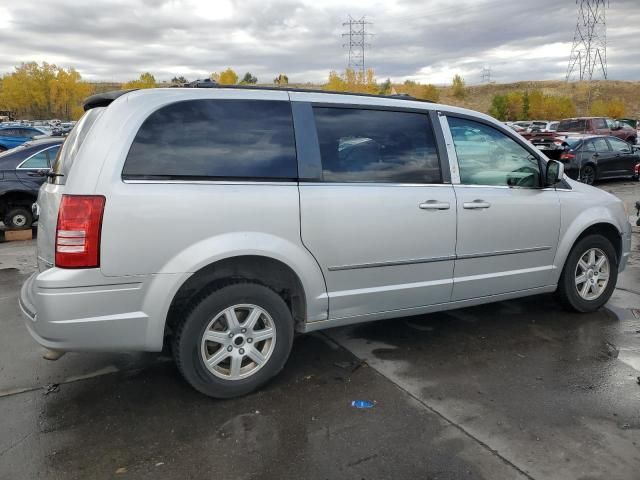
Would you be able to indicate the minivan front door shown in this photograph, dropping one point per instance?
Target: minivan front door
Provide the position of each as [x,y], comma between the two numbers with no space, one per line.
[508,226]
[379,219]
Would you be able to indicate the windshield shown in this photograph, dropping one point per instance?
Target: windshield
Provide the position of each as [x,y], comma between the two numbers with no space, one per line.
[70,147]
[573,125]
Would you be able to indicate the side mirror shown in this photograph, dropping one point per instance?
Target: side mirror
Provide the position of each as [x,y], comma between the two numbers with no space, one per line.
[554,173]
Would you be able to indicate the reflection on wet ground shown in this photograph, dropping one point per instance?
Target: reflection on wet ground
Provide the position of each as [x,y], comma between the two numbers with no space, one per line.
[555,393]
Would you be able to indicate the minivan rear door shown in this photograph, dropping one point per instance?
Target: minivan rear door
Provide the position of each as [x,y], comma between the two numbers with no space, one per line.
[51,192]
[375,211]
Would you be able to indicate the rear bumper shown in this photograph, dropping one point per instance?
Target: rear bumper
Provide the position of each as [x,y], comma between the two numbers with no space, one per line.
[97,317]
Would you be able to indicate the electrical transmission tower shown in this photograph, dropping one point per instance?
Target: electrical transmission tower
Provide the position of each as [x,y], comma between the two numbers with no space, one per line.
[486,74]
[589,50]
[357,42]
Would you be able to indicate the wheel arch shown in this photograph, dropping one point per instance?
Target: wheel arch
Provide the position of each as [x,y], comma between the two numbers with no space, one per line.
[601,226]
[259,269]
[12,198]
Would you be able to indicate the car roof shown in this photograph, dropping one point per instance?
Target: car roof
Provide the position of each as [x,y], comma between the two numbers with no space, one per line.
[44,142]
[104,99]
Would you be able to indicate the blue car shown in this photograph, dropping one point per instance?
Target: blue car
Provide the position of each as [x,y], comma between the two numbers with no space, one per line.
[12,136]
[22,171]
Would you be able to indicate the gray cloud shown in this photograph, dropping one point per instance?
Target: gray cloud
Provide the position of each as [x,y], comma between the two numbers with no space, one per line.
[427,40]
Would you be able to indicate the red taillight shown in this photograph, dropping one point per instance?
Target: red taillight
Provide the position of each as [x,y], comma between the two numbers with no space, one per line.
[78,231]
[567,156]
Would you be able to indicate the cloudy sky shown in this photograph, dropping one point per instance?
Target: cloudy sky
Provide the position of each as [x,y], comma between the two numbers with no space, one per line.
[424,40]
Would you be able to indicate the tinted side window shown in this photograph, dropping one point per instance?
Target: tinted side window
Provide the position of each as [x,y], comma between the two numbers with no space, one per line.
[215,138]
[572,125]
[600,145]
[39,160]
[359,145]
[599,123]
[619,146]
[486,156]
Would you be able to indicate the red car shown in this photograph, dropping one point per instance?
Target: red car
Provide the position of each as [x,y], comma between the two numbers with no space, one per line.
[597,126]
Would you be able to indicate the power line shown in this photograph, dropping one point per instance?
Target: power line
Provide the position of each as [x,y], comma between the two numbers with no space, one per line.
[589,49]
[357,42]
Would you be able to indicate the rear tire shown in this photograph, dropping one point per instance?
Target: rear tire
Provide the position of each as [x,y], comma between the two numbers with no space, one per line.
[587,282]
[588,175]
[18,218]
[249,334]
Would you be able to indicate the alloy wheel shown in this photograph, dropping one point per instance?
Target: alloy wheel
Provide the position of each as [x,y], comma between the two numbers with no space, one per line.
[592,274]
[238,342]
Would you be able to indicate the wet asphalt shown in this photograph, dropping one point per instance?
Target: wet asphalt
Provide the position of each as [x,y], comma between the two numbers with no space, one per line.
[516,389]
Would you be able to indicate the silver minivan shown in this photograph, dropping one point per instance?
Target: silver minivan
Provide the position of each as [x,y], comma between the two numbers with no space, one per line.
[224,220]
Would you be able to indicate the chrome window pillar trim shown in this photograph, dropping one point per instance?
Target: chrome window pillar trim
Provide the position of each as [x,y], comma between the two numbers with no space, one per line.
[451,150]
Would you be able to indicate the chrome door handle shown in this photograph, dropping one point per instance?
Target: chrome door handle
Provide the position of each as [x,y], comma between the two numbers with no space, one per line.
[476,204]
[435,205]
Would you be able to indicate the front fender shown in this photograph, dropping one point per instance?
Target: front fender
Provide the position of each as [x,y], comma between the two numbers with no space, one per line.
[569,234]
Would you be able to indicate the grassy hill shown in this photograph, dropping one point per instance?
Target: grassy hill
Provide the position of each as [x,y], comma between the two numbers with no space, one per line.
[479,96]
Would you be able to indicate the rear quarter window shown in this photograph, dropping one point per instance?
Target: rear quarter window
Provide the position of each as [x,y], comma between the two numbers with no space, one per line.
[72,144]
[209,139]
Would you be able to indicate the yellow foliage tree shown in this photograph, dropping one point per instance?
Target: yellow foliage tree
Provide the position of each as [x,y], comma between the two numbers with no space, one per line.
[352,81]
[227,77]
[146,80]
[612,108]
[458,87]
[550,107]
[43,91]
[417,90]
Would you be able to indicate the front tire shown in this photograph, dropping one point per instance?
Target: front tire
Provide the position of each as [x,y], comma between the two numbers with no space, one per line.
[17,218]
[234,340]
[589,275]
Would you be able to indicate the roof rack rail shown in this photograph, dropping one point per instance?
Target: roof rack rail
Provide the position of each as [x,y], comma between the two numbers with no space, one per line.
[214,84]
[104,99]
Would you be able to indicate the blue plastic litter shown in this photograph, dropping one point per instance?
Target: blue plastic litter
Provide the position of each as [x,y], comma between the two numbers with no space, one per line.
[362,404]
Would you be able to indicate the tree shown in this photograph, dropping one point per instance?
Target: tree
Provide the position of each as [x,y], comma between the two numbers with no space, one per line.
[249,79]
[43,91]
[146,80]
[429,92]
[281,79]
[458,87]
[352,81]
[179,79]
[417,90]
[514,106]
[498,107]
[228,77]
[385,88]
[525,106]
[612,108]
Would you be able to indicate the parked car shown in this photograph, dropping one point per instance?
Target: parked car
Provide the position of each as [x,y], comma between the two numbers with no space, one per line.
[292,210]
[13,136]
[21,174]
[591,158]
[597,126]
[542,126]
